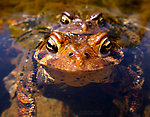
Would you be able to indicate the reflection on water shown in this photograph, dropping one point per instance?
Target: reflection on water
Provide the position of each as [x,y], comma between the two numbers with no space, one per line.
[5,63]
[94,101]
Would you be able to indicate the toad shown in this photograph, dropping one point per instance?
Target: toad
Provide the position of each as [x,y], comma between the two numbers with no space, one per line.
[78,51]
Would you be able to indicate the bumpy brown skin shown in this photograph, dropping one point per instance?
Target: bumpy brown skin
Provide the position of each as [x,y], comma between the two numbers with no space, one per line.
[26,102]
[27,87]
[77,60]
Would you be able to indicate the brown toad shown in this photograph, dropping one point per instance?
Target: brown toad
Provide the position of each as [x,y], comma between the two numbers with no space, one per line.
[78,51]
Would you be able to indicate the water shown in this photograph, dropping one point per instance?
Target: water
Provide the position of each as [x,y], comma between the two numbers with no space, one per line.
[87,101]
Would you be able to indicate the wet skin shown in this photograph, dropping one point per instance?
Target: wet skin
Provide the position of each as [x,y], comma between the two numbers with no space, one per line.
[78,52]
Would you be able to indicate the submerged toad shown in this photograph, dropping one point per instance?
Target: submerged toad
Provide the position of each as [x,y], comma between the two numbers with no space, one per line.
[78,51]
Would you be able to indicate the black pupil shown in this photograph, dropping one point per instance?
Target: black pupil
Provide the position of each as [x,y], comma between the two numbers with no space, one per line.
[105,48]
[66,22]
[52,48]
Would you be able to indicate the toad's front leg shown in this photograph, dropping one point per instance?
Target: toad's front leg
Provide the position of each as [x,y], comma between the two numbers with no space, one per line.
[25,97]
[26,91]
[131,91]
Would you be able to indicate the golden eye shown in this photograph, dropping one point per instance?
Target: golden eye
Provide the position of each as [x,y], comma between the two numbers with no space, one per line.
[98,18]
[52,44]
[65,19]
[105,46]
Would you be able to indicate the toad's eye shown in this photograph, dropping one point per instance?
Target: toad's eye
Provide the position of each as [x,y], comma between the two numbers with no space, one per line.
[65,19]
[52,44]
[98,18]
[105,46]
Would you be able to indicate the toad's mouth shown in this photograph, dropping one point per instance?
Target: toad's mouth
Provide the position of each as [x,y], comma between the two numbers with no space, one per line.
[76,78]
[79,32]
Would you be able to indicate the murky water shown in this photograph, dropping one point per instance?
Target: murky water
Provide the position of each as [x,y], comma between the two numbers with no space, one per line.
[87,101]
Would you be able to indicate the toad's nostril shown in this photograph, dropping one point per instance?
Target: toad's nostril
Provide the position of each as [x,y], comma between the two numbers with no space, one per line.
[70,54]
[86,55]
